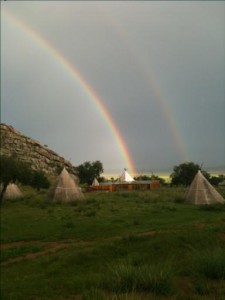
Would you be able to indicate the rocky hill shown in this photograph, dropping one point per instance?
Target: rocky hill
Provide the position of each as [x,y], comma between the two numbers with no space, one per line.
[31,151]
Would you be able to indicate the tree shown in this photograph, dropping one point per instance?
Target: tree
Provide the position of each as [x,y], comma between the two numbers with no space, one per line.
[12,170]
[160,179]
[39,180]
[88,171]
[184,173]
[215,180]
[152,177]
[142,177]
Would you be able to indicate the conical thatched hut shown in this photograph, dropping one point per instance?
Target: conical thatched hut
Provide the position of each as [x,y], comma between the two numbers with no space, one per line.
[65,189]
[12,192]
[202,192]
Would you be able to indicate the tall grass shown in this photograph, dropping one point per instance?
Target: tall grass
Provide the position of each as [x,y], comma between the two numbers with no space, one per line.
[209,263]
[206,267]
[126,277]
[93,294]
[121,246]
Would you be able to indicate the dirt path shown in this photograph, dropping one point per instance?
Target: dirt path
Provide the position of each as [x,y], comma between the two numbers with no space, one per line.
[33,255]
[24,243]
[52,247]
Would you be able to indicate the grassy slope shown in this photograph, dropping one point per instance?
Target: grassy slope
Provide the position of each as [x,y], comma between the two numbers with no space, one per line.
[143,245]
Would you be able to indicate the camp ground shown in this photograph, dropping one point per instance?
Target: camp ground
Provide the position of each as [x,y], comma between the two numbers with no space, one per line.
[125,182]
[112,159]
[131,243]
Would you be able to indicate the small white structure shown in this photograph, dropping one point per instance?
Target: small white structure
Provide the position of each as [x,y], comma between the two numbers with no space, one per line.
[202,192]
[95,182]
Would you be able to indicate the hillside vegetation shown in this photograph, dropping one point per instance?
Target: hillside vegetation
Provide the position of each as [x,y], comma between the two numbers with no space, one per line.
[125,245]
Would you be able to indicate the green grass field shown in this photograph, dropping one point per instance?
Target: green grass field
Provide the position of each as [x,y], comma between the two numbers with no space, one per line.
[127,245]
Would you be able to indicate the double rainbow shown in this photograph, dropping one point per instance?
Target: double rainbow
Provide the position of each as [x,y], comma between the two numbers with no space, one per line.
[90,92]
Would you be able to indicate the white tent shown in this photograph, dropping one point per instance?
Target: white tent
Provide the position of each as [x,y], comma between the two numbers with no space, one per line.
[12,192]
[125,177]
[65,188]
[202,192]
[95,182]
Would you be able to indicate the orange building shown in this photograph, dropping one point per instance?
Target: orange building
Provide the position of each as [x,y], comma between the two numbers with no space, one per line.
[124,186]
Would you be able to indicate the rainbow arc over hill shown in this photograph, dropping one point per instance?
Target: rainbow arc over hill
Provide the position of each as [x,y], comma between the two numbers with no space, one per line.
[83,84]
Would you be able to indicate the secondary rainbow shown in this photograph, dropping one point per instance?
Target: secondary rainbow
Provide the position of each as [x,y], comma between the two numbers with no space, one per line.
[138,57]
[84,85]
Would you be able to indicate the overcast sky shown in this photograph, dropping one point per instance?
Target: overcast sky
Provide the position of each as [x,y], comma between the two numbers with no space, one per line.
[158,68]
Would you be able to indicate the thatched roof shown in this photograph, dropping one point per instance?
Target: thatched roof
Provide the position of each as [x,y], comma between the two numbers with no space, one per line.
[12,192]
[202,192]
[65,188]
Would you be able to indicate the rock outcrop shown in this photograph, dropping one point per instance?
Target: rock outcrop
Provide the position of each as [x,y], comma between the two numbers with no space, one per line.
[31,151]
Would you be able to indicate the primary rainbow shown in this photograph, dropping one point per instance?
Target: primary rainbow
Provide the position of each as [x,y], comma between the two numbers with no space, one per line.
[84,85]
